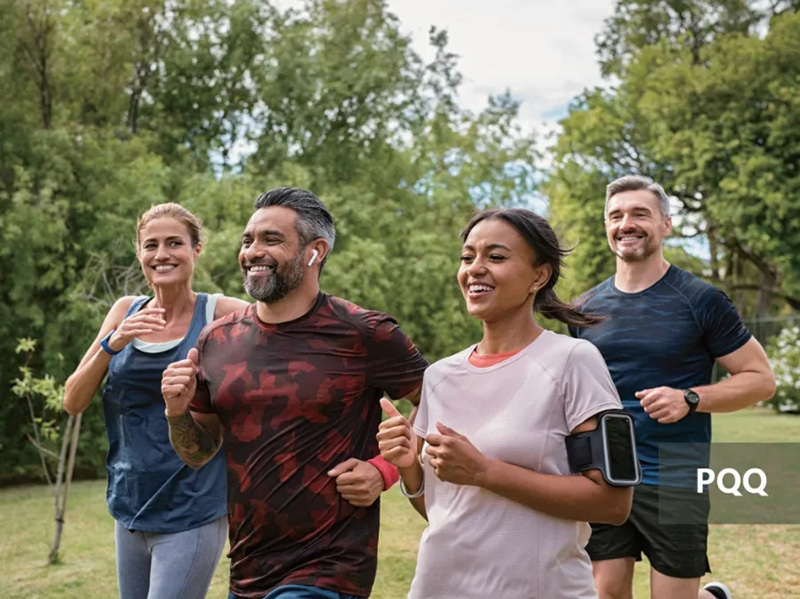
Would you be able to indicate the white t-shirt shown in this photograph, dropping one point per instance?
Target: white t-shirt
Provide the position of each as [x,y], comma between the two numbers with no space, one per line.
[479,544]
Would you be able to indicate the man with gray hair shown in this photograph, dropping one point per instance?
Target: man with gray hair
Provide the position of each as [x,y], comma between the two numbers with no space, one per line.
[292,383]
[663,331]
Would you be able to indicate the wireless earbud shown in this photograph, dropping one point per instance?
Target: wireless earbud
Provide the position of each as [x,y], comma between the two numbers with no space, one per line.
[314,254]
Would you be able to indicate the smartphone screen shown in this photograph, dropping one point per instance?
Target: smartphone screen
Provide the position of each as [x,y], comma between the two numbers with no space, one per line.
[619,449]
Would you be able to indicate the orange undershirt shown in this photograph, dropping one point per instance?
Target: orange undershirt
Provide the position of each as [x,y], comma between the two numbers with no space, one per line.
[486,360]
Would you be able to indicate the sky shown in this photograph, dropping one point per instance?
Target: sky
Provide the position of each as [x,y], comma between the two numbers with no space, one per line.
[541,50]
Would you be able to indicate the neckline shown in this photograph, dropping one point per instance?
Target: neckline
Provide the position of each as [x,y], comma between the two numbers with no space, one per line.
[511,360]
[154,347]
[276,326]
[486,360]
[643,291]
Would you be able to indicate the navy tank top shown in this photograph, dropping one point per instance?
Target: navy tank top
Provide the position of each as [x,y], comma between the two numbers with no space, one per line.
[150,488]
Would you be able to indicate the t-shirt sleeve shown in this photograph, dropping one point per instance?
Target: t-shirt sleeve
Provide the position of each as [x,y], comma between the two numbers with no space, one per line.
[723,329]
[393,362]
[423,413]
[588,388]
[201,402]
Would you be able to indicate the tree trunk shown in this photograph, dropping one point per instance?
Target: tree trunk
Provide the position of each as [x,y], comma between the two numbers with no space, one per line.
[765,292]
[71,434]
[39,53]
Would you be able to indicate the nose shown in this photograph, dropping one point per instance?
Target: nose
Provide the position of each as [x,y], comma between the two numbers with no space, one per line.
[626,221]
[253,252]
[477,267]
[162,253]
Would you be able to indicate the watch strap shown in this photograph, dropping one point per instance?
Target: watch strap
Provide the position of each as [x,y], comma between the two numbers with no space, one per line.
[106,347]
[692,403]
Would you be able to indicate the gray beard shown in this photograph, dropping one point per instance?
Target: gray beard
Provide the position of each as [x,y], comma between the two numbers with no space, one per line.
[276,286]
[639,255]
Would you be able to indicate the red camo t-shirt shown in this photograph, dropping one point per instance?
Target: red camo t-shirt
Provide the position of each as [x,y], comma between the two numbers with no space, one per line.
[296,399]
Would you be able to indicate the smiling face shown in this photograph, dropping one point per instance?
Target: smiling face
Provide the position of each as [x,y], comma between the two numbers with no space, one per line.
[635,227]
[271,261]
[165,252]
[498,276]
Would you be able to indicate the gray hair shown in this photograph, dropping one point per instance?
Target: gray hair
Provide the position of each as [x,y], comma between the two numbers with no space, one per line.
[313,219]
[635,183]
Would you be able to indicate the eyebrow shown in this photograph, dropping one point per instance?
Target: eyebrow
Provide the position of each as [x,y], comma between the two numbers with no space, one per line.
[264,233]
[491,246]
[634,209]
[169,238]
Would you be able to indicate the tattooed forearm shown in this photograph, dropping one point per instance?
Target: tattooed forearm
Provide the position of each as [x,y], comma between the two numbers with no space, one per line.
[192,442]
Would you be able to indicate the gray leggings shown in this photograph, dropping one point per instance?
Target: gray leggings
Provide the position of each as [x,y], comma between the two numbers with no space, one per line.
[168,566]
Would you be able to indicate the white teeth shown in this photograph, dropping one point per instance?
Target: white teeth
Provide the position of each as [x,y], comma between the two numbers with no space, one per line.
[259,268]
[163,267]
[480,288]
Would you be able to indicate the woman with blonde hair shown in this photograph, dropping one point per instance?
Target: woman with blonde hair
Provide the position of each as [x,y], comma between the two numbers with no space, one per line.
[171,520]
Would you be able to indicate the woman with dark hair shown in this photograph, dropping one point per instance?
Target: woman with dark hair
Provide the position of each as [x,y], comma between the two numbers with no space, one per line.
[170,519]
[506,518]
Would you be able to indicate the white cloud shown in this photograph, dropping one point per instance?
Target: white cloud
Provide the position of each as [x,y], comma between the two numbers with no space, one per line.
[541,50]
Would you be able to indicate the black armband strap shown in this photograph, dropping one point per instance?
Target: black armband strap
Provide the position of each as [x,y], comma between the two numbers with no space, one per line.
[610,448]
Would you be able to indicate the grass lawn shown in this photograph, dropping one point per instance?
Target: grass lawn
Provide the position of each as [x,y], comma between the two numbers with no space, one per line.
[756,561]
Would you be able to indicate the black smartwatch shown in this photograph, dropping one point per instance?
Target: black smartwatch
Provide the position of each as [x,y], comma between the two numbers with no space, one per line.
[692,399]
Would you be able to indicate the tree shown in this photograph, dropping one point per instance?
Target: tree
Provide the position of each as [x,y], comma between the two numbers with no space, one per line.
[685,24]
[209,103]
[45,433]
[719,133]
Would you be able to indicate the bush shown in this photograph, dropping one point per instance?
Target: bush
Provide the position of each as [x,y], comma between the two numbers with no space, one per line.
[784,352]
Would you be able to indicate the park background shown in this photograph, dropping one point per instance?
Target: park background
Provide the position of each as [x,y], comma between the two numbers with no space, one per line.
[110,106]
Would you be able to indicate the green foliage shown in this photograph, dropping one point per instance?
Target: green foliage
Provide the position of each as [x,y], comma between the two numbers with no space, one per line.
[784,353]
[688,24]
[110,107]
[716,123]
[42,396]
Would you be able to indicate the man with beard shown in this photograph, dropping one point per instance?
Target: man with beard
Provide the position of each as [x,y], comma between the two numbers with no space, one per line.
[664,329]
[292,385]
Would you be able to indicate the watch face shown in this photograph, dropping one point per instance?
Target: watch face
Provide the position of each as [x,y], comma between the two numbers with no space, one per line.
[691,396]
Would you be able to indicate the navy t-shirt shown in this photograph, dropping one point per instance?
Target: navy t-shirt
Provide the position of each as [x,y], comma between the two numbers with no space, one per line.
[667,335]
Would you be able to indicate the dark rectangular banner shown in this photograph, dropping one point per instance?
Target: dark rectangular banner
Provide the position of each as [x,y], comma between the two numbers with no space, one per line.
[729,483]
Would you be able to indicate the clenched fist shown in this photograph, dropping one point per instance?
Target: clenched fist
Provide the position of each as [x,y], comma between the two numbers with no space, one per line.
[396,438]
[178,384]
[454,458]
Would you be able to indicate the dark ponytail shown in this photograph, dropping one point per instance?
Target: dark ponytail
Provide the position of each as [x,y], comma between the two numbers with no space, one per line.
[541,238]
[549,306]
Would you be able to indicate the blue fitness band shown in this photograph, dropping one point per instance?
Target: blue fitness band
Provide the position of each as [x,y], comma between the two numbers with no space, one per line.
[106,347]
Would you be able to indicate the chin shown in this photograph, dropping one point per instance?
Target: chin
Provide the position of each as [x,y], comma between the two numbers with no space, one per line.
[636,256]
[479,312]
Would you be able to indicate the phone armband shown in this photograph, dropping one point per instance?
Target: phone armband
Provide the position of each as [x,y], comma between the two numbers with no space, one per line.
[610,448]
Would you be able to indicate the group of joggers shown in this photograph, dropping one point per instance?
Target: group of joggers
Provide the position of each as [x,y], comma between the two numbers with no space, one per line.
[266,421]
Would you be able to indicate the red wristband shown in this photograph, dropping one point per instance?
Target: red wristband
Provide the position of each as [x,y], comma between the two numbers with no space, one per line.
[388,471]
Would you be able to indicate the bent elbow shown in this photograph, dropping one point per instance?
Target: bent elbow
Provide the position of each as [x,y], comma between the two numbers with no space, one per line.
[619,508]
[770,387]
[68,401]
[618,517]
